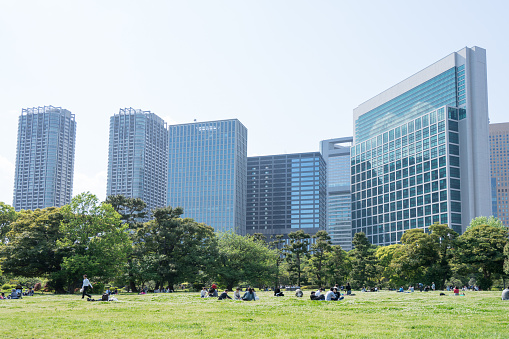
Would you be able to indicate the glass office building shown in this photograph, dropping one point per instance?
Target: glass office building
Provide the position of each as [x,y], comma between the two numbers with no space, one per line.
[207,172]
[420,151]
[499,154]
[138,157]
[286,193]
[44,158]
[336,153]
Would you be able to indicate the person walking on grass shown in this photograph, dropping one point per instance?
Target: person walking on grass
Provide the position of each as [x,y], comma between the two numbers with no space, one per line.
[86,285]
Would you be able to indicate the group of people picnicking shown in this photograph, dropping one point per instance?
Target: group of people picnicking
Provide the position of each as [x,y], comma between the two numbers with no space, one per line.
[249,294]
[17,293]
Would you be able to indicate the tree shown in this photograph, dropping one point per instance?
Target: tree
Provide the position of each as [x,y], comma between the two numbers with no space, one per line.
[506,260]
[275,244]
[445,240]
[481,250]
[321,251]
[174,249]
[491,221]
[338,265]
[388,259]
[31,249]
[132,212]
[93,241]
[363,261]
[244,259]
[7,216]
[420,253]
[296,252]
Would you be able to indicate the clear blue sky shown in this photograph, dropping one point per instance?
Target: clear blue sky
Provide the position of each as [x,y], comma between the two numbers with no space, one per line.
[290,71]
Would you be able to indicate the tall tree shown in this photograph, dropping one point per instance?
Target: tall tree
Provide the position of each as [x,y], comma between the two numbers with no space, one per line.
[363,261]
[338,265]
[481,250]
[31,249]
[296,253]
[244,259]
[321,250]
[388,260]
[276,244]
[490,221]
[133,212]
[7,216]
[445,240]
[93,240]
[177,249]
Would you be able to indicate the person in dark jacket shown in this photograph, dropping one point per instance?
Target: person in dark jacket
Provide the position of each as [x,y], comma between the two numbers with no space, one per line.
[224,296]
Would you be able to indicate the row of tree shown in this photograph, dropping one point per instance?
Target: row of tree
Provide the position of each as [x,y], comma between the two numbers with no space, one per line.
[108,241]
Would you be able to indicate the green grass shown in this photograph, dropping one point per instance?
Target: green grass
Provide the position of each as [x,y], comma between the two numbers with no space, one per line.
[186,315]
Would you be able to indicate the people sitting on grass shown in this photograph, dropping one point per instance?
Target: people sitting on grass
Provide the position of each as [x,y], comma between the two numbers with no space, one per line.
[224,296]
[203,292]
[401,289]
[249,295]
[411,288]
[2,296]
[14,294]
[330,295]
[236,294]
[315,297]
[213,291]
[319,292]
[456,290]
[278,293]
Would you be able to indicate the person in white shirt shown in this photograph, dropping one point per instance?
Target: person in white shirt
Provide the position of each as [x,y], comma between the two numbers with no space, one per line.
[318,292]
[86,285]
[204,292]
[330,295]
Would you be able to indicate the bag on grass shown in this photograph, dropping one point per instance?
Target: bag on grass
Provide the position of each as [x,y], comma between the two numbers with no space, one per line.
[81,290]
[104,297]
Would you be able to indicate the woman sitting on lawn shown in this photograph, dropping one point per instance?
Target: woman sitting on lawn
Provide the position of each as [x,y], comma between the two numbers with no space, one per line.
[249,295]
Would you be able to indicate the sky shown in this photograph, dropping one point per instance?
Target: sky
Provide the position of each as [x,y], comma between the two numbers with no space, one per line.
[291,71]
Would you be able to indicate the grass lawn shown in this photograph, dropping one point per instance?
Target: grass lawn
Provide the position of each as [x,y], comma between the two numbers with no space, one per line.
[186,315]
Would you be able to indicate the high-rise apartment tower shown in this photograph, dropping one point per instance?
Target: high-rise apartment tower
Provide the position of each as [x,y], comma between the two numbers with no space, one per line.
[499,151]
[421,152]
[207,173]
[138,157]
[336,153]
[44,158]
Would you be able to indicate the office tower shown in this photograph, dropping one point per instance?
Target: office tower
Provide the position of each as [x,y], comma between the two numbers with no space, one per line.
[44,158]
[207,173]
[499,153]
[421,152]
[286,193]
[336,153]
[138,157]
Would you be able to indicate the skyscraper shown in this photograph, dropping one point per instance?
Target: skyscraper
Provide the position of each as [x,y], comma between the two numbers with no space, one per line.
[286,193]
[207,173]
[44,158]
[138,157]
[499,154]
[421,152]
[336,153]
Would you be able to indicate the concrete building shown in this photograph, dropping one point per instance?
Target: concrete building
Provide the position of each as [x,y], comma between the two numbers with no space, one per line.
[286,193]
[44,158]
[336,153]
[499,154]
[421,152]
[138,157]
[207,172]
